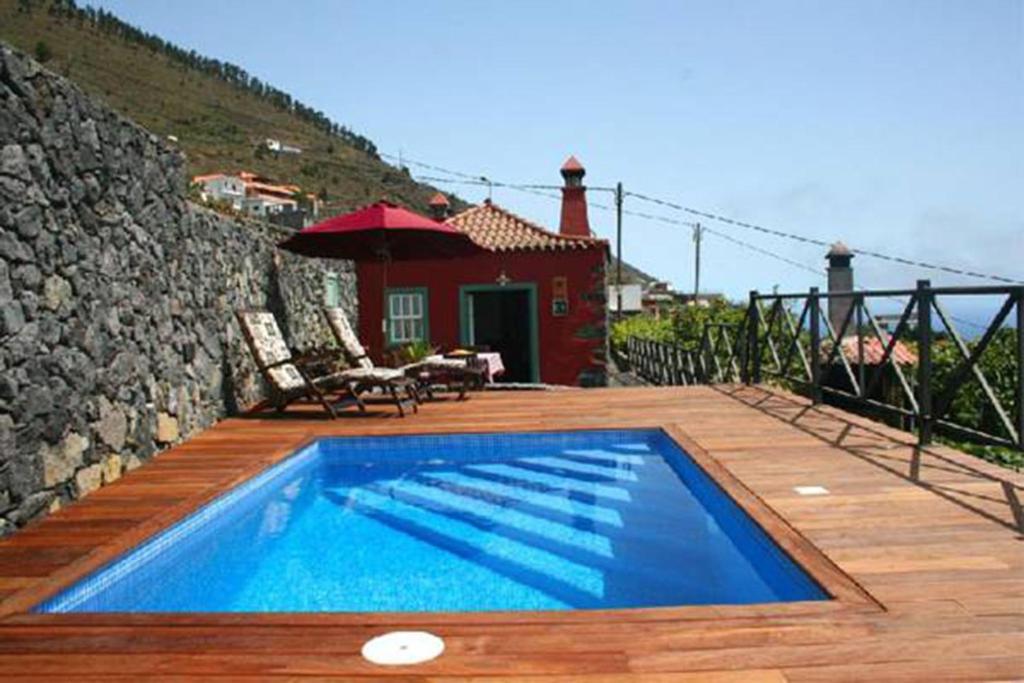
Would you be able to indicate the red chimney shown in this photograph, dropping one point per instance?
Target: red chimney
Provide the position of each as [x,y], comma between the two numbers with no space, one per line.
[438,207]
[574,200]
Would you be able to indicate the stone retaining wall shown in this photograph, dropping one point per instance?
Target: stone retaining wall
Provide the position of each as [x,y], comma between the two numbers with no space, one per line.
[117,336]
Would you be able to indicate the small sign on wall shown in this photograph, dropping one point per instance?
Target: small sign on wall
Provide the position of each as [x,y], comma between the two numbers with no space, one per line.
[560,296]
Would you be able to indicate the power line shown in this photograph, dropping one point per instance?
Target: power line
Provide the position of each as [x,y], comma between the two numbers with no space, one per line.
[485,182]
[536,188]
[765,252]
[809,240]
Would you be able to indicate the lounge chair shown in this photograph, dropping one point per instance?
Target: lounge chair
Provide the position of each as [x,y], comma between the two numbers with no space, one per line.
[426,373]
[292,379]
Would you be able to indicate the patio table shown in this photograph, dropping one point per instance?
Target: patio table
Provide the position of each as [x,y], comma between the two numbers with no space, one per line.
[492,364]
[490,361]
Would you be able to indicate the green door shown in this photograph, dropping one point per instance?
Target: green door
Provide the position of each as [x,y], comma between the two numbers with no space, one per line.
[503,318]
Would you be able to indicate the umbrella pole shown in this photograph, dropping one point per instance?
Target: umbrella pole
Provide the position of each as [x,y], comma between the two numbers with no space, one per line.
[385,256]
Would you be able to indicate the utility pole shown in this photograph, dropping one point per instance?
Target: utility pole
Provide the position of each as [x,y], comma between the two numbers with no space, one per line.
[697,230]
[618,250]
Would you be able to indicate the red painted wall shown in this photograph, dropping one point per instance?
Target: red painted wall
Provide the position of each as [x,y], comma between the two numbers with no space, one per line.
[571,348]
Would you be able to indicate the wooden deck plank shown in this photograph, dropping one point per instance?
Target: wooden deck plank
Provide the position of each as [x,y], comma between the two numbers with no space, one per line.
[934,538]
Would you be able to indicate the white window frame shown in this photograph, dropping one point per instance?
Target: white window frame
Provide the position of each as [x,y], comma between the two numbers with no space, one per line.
[407,315]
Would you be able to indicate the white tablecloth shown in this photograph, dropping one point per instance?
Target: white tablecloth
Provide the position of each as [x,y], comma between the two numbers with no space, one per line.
[489,360]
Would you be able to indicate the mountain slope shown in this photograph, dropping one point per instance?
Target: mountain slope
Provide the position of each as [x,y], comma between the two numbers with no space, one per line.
[219,124]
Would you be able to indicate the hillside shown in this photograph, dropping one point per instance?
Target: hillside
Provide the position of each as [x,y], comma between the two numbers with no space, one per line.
[219,124]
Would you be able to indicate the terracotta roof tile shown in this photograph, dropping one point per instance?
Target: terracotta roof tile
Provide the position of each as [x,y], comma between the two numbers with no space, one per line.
[874,351]
[498,229]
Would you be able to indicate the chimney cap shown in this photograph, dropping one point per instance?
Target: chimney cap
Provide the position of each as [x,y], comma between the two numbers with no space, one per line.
[839,249]
[439,200]
[572,166]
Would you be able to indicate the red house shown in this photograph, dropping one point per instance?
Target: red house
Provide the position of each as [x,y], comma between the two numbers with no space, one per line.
[535,296]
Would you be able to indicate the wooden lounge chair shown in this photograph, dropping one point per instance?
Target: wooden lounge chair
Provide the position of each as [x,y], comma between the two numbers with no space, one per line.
[426,373]
[292,378]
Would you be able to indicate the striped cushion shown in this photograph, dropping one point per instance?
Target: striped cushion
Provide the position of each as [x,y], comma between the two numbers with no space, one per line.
[343,331]
[268,343]
[372,374]
[286,377]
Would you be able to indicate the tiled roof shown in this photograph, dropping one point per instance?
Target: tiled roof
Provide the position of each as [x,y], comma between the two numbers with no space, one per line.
[498,229]
[874,350]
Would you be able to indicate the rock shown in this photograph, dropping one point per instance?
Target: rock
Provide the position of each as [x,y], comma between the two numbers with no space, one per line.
[34,400]
[55,504]
[56,292]
[8,387]
[12,318]
[29,222]
[6,291]
[6,440]
[14,163]
[113,425]
[132,463]
[31,507]
[28,276]
[49,331]
[166,428]
[61,461]
[12,249]
[112,467]
[88,479]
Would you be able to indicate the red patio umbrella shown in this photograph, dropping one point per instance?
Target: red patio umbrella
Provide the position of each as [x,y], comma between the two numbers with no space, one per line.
[381,231]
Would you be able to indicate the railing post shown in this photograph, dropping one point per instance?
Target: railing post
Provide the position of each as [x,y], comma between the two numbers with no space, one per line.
[742,348]
[754,377]
[702,356]
[924,361]
[814,311]
[1020,367]
[862,375]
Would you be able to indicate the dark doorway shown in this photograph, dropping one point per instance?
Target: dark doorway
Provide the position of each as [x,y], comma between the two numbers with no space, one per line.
[503,321]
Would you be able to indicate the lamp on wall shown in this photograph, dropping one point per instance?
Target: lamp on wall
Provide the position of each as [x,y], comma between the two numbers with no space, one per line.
[503,278]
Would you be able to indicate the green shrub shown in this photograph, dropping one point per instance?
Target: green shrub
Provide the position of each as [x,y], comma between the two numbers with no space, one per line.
[43,52]
[642,326]
[413,352]
[688,322]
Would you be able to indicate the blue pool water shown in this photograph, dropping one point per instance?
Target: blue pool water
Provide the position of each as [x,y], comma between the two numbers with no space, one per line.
[571,520]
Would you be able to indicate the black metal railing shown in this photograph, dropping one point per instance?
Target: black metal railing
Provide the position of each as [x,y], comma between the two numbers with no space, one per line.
[790,338]
[712,361]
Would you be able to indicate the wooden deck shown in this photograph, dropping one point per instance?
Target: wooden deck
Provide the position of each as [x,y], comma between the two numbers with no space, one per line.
[923,550]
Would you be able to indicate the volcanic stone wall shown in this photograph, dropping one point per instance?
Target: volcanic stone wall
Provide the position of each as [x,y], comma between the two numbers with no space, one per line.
[117,296]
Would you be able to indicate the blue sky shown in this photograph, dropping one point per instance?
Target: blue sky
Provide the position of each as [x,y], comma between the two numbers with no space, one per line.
[897,126]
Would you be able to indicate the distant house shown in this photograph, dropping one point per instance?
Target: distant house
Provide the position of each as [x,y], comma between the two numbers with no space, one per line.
[659,298]
[260,197]
[536,296]
[632,297]
[222,187]
[279,147]
[644,293]
[264,197]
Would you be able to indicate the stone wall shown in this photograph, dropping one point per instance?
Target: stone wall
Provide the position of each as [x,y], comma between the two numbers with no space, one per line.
[117,296]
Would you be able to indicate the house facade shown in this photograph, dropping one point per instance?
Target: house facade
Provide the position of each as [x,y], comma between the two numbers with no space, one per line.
[260,197]
[536,296]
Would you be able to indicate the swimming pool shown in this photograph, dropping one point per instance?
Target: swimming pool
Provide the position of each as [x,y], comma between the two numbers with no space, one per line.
[446,523]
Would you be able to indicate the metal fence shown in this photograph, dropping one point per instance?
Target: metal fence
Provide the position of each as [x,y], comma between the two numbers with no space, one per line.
[790,339]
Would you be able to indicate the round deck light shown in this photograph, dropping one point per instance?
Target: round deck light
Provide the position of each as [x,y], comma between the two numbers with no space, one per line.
[402,648]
